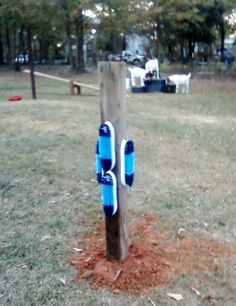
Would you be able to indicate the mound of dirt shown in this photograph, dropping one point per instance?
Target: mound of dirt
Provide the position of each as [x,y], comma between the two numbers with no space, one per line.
[154,258]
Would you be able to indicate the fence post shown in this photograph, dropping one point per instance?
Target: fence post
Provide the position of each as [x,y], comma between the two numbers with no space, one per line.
[112,78]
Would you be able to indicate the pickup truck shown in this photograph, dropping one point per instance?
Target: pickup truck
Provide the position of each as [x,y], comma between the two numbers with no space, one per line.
[127,56]
[132,58]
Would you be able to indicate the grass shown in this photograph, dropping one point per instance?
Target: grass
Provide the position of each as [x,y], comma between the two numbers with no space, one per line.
[185,175]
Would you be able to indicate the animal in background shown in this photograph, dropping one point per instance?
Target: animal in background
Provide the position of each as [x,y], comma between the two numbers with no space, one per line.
[180,79]
[152,66]
[137,73]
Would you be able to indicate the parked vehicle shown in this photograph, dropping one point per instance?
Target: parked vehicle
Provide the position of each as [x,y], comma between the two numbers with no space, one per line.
[132,58]
[114,58]
[22,59]
[129,57]
[60,59]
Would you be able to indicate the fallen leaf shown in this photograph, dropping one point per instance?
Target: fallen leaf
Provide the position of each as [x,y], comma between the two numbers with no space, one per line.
[88,259]
[117,275]
[181,230]
[46,237]
[154,242]
[151,301]
[77,250]
[63,281]
[194,290]
[176,296]
[74,262]
[87,274]
[180,234]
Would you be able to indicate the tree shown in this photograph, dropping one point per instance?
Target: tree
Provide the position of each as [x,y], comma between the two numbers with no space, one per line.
[75,22]
[67,24]
[222,8]
[174,25]
[1,48]
[115,22]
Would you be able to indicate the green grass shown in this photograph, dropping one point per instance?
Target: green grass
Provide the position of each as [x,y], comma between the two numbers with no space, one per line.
[185,174]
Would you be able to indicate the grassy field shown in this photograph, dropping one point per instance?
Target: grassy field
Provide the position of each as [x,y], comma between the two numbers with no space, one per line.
[185,176]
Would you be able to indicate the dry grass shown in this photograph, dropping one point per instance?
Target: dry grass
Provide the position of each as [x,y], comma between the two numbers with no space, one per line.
[185,175]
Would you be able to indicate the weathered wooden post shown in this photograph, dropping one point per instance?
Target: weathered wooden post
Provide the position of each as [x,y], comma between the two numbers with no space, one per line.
[113,108]
[31,62]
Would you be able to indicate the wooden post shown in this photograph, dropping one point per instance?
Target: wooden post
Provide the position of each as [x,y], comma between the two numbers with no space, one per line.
[31,62]
[74,86]
[78,88]
[71,88]
[113,108]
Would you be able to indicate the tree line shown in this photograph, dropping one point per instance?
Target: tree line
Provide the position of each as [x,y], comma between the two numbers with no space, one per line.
[54,27]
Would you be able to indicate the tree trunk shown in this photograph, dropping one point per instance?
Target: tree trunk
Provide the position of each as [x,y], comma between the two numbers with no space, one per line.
[1,49]
[158,36]
[43,49]
[31,61]
[181,51]
[45,44]
[41,55]
[190,49]
[69,44]
[8,44]
[170,52]
[124,45]
[70,59]
[35,50]
[112,41]
[15,50]
[222,38]
[21,40]
[79,26]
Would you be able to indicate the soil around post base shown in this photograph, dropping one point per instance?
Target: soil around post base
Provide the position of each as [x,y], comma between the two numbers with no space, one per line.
[155,257]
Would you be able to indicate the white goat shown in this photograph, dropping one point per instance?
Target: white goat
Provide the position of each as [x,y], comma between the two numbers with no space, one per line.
[137,73]
[180,79]
[152,66]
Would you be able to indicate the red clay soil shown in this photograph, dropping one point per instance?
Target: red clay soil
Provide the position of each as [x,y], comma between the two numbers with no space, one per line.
[155,257]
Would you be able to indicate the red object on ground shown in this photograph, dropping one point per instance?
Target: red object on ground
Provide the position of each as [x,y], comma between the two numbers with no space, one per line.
[15,98]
